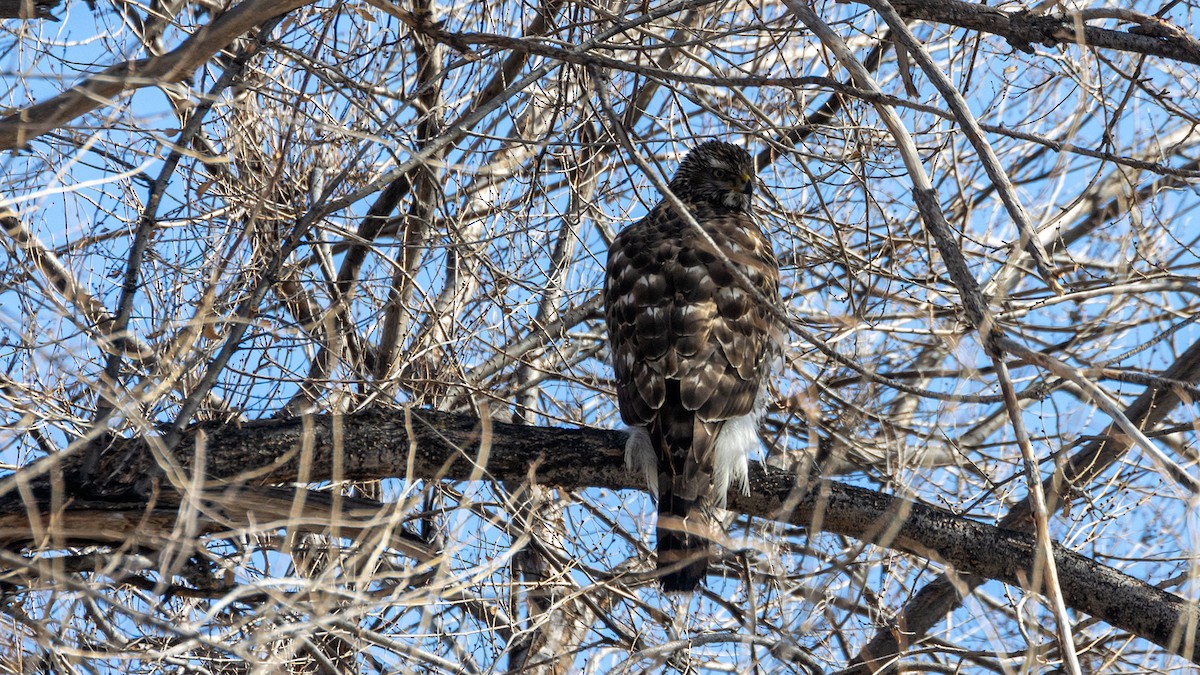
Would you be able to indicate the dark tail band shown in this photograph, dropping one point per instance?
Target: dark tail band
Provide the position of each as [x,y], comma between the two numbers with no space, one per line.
[682,556]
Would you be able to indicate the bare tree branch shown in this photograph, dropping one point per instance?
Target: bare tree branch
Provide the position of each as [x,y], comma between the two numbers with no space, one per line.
[1023,29]
[100,90]
[447,447]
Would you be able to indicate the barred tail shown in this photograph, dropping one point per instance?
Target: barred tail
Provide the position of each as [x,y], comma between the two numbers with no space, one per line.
[684,501]
[682,555]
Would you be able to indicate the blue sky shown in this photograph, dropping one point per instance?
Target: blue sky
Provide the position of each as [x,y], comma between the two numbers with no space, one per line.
[859,271]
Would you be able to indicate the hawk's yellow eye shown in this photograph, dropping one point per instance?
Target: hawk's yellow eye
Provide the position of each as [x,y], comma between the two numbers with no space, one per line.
[720,174]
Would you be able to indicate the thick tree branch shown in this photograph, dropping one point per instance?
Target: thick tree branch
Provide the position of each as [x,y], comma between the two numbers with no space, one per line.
[429,445]
[28,9]
[934,602]
[1023,29]
[99,90]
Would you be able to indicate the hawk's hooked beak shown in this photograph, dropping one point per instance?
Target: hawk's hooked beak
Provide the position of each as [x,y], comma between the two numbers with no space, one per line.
[745,184]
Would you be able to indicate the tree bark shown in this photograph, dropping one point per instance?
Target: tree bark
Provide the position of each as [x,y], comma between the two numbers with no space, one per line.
[429,445]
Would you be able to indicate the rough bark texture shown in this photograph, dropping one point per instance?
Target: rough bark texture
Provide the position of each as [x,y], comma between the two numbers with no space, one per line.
[1023,29]
[28,9]
[442,446]
[17,129]
[930,605]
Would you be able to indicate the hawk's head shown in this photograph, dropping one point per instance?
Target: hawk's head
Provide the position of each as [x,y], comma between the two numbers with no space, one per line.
[716,172]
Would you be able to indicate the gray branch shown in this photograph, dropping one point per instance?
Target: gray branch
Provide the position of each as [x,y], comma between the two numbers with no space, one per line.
[28,9]
[1023,29]
[443,446]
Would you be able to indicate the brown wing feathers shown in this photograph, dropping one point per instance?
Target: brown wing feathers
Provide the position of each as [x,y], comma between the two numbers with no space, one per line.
[690,346]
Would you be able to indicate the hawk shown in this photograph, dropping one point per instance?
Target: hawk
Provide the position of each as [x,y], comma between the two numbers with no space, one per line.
[693,348]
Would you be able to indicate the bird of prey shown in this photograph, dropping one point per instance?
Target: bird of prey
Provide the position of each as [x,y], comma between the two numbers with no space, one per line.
[693,347]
